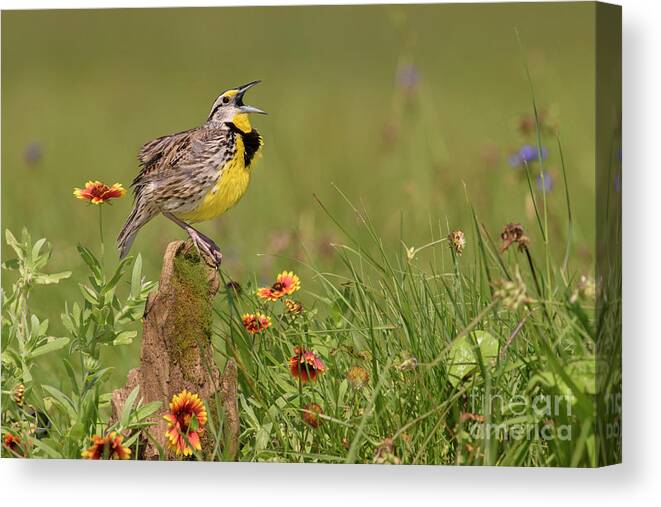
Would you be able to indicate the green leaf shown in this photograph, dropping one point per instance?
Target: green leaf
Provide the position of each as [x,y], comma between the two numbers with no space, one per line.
[262,437]
[105,399]
[10,357]
[250,413]
[125,338]
[89,294]
[27,376]
[12,242]
[128,406]
[344,385]
[147,410]
[52,345]
[37,248]
[72,376]
[581,371]
[136,276]
[91,261]
[117,276]
[47,279]
[77,431]
[43,327]
[461,356]
[62,400]
[47,449]
[67,322]
[100,376]
[130,442]
[34,325]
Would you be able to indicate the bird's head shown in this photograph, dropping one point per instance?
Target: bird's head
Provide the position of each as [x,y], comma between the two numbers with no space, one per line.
[229,107]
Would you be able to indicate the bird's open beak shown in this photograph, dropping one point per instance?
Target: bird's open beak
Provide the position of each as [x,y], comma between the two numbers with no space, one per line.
[239,98]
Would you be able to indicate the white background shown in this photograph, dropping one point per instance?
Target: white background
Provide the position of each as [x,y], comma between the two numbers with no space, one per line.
[636,482]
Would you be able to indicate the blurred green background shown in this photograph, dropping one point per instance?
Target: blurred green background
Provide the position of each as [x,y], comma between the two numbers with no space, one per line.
[399,106]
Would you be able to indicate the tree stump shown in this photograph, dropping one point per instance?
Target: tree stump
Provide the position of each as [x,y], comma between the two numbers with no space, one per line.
[176,351]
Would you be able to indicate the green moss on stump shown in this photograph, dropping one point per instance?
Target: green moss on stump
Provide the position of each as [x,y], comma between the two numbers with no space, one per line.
[192,317]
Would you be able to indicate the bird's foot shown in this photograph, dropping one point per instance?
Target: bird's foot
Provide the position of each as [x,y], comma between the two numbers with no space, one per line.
[203,244]
[206,247]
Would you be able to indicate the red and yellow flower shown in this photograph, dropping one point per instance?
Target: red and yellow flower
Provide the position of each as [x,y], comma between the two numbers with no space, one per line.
[311,413]
[255,322]
[286,283]
[12,443]
[98,193]
[185,420]
[109,447]
[305,365]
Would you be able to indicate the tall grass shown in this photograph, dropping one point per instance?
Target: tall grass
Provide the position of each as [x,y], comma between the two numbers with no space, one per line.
[445,357]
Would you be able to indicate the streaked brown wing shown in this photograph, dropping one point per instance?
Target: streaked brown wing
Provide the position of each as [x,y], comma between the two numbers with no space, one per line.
[181,165]
[161,155]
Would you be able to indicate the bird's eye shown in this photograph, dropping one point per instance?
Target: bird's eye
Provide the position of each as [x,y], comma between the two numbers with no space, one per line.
[225,100]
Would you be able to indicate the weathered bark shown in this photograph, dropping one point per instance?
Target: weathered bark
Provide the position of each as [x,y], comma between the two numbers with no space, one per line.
[176,352]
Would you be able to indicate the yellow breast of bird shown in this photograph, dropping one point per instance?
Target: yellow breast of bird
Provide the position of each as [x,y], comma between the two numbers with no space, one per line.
[234,177]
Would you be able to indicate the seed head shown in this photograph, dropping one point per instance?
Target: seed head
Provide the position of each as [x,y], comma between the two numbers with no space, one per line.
[358,377]
[457,241]
[293,307]
[384,454]
[311,413]
[408,364]
[513,233]
[585,289]
[18,394]
[511,293]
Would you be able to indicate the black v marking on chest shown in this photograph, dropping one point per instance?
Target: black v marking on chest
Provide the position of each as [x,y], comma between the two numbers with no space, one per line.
[251,142]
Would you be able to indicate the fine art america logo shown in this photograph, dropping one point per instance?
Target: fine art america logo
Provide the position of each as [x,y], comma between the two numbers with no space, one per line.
[526,418]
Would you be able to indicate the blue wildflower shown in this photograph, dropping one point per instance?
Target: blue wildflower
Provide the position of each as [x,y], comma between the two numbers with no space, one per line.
[526,155]
[545,183]
[33,153]
[408,77]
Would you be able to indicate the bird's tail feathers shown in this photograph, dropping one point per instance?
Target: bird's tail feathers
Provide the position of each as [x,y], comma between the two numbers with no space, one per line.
[138,217]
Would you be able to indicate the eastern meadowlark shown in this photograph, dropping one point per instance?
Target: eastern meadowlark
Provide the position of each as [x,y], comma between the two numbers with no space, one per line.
[198,174]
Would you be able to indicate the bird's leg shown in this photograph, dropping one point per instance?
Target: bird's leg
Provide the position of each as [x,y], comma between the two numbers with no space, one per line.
[203,243]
